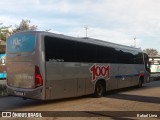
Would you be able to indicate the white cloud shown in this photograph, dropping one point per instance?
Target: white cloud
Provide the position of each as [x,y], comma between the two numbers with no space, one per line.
[141,16]
[105,35]
[113,20]
[7,20]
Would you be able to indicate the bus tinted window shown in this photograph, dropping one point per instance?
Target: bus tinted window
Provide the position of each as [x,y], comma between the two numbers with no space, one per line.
[138,58]
[57,49]
[85,52]
[68,51]
[106,55]
[125,57]
[24,42]
[73,51]
[128,57]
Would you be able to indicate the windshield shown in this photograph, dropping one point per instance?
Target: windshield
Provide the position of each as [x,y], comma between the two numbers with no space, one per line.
[21,42]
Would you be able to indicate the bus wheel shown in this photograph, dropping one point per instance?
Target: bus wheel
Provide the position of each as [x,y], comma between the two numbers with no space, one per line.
[99,89]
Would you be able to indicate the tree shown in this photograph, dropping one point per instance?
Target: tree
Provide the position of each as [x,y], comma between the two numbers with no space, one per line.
[4,32]
[24,26]
[151,52]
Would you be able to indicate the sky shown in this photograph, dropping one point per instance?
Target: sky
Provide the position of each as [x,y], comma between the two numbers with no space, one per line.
[126,22]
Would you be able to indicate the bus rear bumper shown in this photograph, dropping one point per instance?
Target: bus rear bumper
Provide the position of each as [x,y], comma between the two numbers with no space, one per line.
[26,92]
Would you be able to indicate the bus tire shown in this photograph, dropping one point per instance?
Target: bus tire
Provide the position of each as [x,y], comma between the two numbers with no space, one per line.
[99,89]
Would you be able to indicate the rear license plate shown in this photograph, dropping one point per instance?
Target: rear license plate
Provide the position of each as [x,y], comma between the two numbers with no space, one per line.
[19,93]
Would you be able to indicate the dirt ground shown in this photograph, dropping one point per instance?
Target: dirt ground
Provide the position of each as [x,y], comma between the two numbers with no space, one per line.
[125,100]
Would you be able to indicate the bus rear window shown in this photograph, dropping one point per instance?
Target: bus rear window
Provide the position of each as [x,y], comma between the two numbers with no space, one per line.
[21,42]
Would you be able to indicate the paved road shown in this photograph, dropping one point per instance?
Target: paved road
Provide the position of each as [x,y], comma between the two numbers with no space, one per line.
[146,98]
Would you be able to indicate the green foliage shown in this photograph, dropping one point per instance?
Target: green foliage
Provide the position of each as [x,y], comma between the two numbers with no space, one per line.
[3,90]
[151,52]
[24,26]
[4,32]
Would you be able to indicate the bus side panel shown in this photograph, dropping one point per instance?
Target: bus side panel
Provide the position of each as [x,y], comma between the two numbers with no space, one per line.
[81,85]
[66,80]
[85,74]
[124,76]
[139,68]
[129,75]
[112,82]
[60,80]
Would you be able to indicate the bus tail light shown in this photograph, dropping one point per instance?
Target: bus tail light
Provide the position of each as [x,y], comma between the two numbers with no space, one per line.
[38,77]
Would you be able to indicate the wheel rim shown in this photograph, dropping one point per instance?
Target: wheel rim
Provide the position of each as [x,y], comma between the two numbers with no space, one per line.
[100,89]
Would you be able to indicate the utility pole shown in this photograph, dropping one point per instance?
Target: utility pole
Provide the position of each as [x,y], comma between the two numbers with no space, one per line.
[86,28]
[134,41]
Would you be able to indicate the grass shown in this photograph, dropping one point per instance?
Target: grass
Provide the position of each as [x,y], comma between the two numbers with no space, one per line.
[3,90]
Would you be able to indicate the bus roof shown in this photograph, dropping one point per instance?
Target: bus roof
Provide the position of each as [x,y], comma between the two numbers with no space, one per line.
[87,40]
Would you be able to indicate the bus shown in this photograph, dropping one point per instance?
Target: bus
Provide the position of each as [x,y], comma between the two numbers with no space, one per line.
[2,62]
[43,65]
[155,67]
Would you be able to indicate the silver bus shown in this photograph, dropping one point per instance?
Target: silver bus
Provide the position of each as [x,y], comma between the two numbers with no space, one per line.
[43,65]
